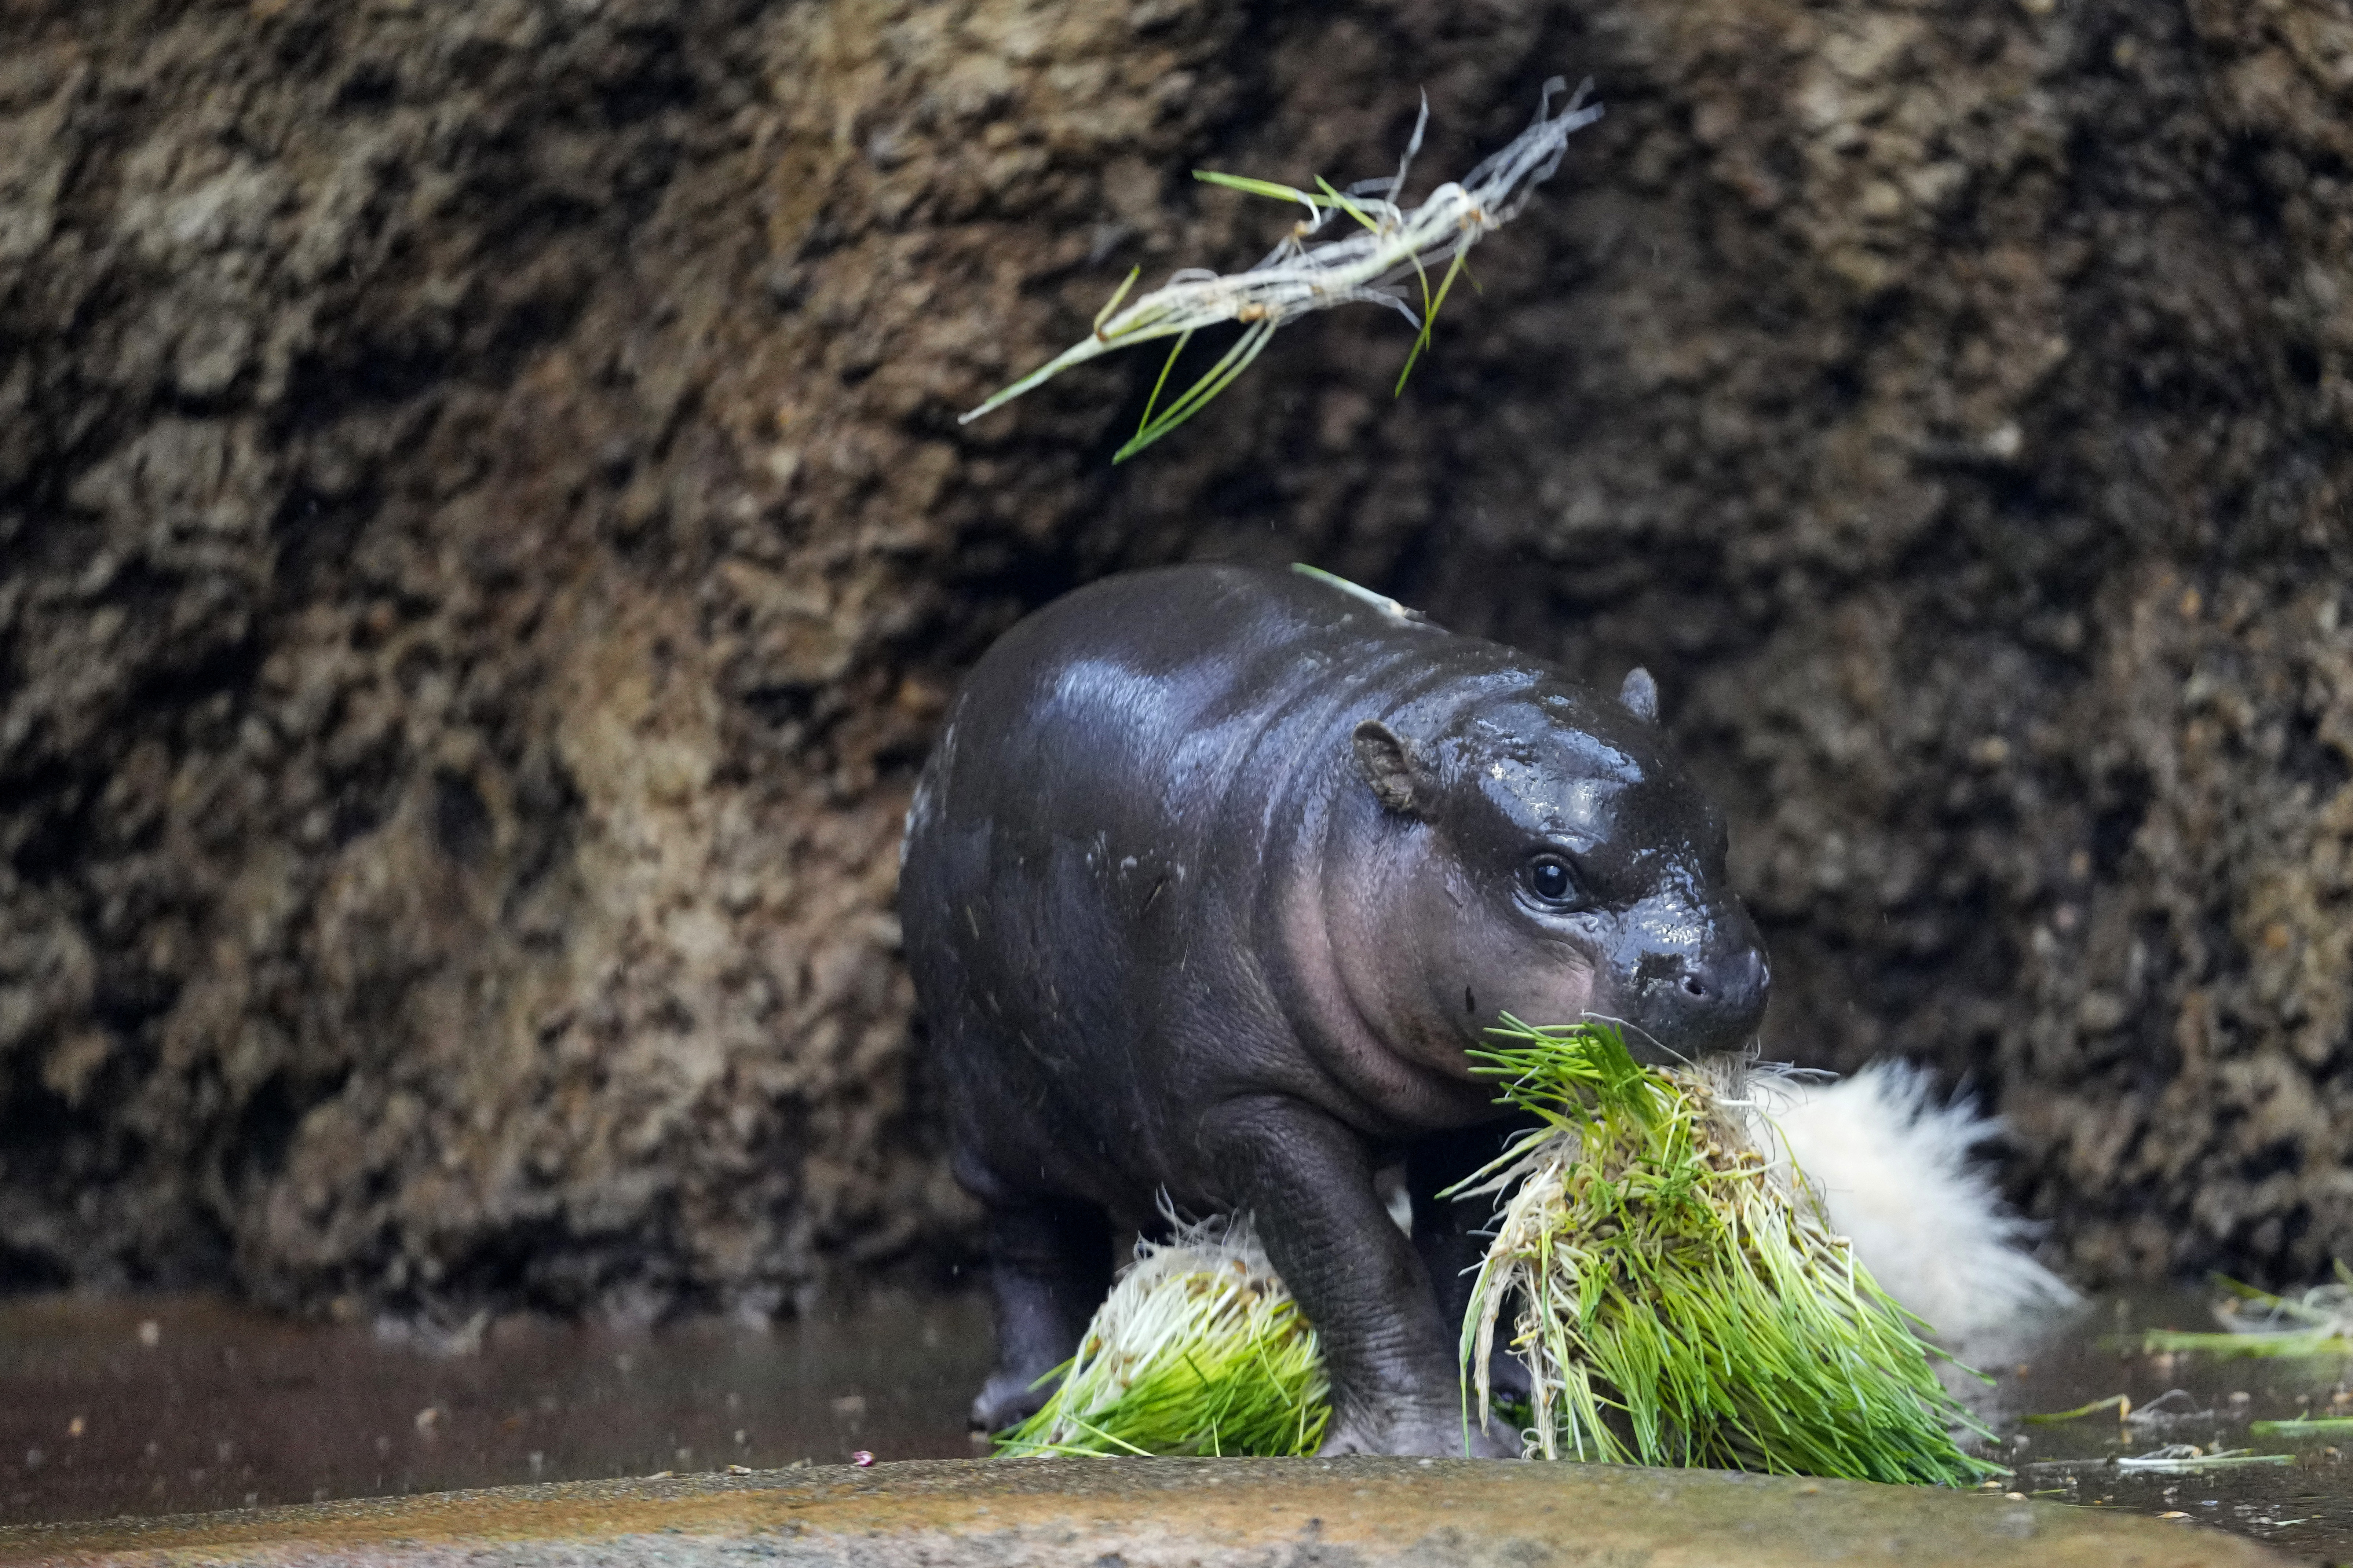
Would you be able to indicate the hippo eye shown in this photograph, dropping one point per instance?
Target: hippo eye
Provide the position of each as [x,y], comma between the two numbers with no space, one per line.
[1549,879]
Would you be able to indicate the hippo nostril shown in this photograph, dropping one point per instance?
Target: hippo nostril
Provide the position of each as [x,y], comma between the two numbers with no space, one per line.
[1693,987]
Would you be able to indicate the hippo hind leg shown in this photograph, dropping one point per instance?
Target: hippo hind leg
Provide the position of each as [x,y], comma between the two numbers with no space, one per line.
[1050,1268]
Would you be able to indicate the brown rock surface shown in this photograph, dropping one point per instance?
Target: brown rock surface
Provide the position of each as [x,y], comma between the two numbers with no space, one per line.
[1186,1513]
[483,535]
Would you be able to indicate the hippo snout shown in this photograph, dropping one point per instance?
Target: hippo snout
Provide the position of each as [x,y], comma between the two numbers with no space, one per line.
[1727,998]
[1713,1000]
[1694,1008]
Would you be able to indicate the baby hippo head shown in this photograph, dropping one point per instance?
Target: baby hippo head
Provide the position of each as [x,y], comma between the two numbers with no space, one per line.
[1552,861]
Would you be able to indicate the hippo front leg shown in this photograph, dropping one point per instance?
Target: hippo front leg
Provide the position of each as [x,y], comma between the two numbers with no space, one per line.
[1391,1357]
[1446,1233]
[1050,1268]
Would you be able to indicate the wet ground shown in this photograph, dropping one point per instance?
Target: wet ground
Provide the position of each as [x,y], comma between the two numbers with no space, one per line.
[2215,1403]
[166,1406]
[180,1406]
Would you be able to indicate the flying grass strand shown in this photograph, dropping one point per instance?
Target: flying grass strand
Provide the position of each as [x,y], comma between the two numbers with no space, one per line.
[1674,1295]
[1387,244]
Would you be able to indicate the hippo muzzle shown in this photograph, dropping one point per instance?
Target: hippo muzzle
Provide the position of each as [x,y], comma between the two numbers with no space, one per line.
[1689,987]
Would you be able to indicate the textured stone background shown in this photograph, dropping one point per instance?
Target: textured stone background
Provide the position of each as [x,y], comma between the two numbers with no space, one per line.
[484,536]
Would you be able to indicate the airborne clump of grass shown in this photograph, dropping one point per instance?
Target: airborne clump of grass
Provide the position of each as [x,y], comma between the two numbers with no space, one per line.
[1675,1295]
[1388,243]
[1198,1350]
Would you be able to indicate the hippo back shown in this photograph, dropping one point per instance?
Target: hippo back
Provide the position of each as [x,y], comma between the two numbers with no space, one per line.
[1087,859]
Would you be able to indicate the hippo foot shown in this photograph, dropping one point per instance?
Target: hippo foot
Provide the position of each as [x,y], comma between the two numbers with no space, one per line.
[1008,1398]
[1446,1439]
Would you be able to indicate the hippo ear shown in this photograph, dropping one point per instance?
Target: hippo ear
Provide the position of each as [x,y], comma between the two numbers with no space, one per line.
[1389,765]
[1639,695]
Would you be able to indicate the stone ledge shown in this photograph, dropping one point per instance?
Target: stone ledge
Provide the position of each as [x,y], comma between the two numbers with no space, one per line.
[1166,1514]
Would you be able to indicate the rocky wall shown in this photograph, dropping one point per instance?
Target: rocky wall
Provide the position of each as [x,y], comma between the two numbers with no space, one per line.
[484,535]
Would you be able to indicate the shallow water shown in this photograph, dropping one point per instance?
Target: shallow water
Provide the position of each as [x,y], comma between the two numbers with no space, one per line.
[217,1406]
[2304,1506]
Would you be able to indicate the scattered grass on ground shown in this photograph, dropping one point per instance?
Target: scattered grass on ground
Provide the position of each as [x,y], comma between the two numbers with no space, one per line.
[2318,1321]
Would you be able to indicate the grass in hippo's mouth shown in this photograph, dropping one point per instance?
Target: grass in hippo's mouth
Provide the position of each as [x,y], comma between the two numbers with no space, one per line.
[1675,1294]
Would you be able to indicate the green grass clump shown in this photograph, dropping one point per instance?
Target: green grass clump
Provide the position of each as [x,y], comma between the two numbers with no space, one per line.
[1677,1298]
[1675,1294]
[1199,1349]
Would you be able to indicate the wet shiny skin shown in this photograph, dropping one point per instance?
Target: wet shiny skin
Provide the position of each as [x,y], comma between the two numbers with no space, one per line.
[1212,880]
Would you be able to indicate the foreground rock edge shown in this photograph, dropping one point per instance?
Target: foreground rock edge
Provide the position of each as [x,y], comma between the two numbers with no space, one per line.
[1146,1512]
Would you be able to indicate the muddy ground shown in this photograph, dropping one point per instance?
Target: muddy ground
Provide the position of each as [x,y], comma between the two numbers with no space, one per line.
[484,537]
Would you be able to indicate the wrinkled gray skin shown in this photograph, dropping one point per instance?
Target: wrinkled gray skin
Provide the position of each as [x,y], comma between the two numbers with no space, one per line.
[1212,879]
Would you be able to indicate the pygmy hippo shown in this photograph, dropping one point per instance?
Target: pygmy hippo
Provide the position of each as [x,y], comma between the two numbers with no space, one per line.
[1213,877]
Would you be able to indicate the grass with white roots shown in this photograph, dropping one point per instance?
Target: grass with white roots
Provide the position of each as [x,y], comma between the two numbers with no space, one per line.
[1388,243]
[1199,1349]
[1673,1291]
[1676,1296]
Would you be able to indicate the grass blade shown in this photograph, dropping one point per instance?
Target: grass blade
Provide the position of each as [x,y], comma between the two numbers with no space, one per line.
[1166,366]
[1220,376]
[1428,317]
[1262,188]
